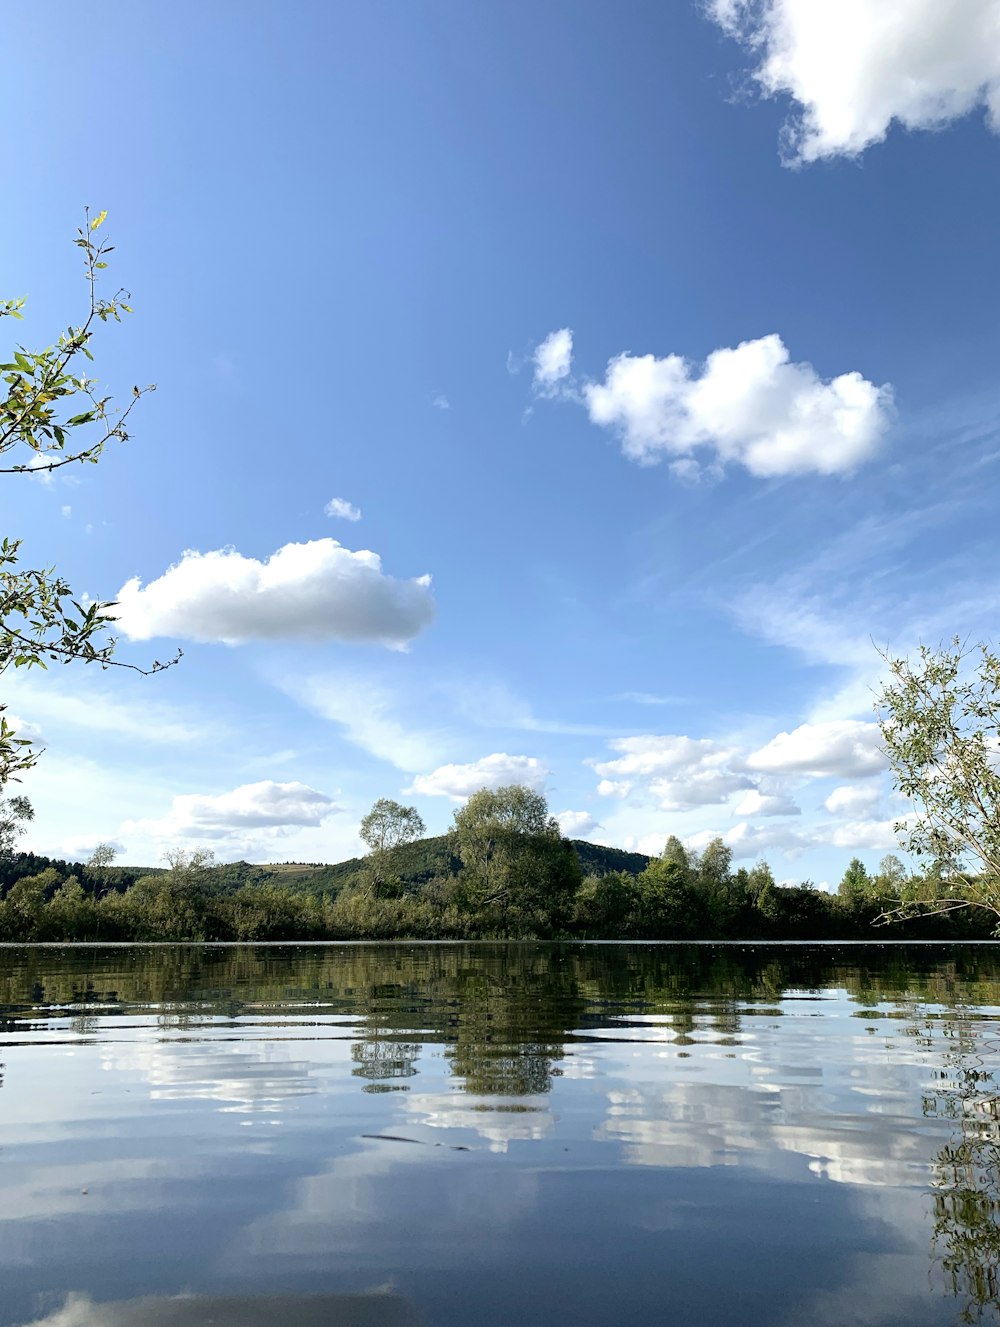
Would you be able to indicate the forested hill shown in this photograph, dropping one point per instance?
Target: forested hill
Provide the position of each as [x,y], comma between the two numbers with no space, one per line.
[416,863]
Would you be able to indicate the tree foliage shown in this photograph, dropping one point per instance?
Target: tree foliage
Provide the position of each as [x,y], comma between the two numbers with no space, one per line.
[53,415]
[940,721]
[15,813]
[516,864]
[386,827]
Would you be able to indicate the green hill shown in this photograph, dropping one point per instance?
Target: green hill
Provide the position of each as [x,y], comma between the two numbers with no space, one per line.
[418,862]
[414,864]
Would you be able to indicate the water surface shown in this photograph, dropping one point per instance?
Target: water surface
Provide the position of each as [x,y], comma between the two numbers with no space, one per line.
[386,1135]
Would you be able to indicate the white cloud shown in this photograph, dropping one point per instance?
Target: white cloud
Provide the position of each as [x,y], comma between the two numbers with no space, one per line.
[553,360]
[681,773]
[342,508]
[365,713]
[441,402]
[650,845]
[253,806]
[80,849]
[856,66]
[41,463]
[576,824]
[494,771]
[855,835]
[66,510]
[749,405]
[653,754]
[756,803]
[845,748]
[312,591]
[748,841]
[854,802]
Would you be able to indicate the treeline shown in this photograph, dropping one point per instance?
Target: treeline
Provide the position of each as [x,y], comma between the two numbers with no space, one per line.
[504,872]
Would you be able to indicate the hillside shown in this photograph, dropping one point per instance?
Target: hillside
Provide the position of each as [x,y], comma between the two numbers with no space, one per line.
[418,862]
[414,863]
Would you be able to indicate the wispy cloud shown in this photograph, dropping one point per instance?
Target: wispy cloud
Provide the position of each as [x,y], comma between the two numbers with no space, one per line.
[649,698]
[367,715]
[58,702]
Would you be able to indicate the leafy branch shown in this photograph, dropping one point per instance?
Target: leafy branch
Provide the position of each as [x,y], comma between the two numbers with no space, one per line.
[41,622]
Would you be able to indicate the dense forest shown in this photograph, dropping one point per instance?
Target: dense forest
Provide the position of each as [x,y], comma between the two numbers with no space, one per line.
[504,871]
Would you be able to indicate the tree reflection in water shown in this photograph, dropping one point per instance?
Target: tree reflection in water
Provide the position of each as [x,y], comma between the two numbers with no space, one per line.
[382,1058]
[505,1018]
[966,1237]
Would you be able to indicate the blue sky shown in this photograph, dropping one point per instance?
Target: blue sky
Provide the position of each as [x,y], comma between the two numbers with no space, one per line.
[662,338]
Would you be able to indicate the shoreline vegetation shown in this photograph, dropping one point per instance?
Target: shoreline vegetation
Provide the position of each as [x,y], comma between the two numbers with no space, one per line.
[503,873]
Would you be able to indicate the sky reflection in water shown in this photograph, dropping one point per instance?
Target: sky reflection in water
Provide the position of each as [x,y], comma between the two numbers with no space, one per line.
[407,1134]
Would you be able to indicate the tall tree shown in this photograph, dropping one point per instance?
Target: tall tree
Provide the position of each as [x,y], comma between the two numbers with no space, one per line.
[940,721]
[856,883]
[515,862]
[386,827]
[724,894]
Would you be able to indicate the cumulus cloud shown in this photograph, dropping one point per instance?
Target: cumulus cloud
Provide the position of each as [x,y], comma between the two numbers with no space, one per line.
[253,806]
[751,406]
[576,824]
[756,803]
[681,773]
[747,841]
[650,845]
[494,771]
[855,835]
[344,509]
[312,591]
[553,360]
[854,802]
[856,66]
[844,748]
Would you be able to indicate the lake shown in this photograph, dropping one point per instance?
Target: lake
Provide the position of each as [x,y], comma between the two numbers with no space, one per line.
[499,1134]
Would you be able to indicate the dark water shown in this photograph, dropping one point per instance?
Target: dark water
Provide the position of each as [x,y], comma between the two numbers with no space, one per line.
[373,1136]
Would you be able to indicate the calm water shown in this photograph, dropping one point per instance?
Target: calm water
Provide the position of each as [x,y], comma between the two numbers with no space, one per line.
[379,1136]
